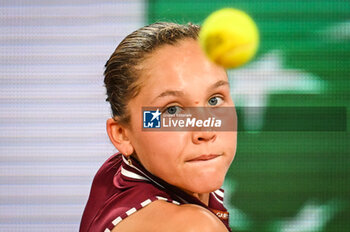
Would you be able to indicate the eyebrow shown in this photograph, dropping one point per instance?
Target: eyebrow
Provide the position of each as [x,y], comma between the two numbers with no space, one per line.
[218,84]
[177,93]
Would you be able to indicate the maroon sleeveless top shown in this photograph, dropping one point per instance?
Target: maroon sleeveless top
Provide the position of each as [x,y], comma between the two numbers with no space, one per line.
[119,189]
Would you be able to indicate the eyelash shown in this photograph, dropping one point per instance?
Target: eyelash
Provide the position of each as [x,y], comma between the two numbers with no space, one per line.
[217,96]
[166,108]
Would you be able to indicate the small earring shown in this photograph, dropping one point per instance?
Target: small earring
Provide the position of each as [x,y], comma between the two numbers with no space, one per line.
[129,159]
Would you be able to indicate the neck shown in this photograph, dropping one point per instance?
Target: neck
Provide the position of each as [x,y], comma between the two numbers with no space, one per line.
[203,197]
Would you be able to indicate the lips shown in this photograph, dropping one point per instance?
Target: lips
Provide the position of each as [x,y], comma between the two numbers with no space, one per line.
[204,157]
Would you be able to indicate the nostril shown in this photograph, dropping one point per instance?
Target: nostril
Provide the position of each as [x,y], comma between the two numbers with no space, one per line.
[201,137]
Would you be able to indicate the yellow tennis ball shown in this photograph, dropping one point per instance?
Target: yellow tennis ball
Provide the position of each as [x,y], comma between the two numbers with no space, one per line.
[229,37]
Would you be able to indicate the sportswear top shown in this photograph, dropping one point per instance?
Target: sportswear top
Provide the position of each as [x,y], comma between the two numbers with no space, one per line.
[121,188]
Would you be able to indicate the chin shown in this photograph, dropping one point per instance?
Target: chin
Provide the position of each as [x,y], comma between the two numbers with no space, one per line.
[206,185]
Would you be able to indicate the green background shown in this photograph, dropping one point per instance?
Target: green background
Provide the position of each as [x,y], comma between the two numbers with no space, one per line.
[288,180]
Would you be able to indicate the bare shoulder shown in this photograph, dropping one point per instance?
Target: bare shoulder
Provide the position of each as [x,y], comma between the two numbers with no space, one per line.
[163,216]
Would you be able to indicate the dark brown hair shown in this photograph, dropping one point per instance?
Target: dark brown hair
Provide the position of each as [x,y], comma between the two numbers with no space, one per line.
[122,74]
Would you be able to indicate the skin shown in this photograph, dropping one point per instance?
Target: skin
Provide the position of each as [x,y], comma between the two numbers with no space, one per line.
[178,75]
[161,216]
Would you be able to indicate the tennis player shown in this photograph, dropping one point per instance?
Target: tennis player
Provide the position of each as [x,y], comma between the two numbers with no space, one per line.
[162,180]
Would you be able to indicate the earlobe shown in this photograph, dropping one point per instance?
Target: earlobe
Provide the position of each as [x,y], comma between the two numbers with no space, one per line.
[118,136]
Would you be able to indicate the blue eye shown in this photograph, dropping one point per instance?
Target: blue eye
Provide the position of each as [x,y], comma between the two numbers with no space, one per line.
[214,101]
[172,110]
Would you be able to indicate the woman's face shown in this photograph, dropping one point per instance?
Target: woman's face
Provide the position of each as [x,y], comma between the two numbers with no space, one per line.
[181,75]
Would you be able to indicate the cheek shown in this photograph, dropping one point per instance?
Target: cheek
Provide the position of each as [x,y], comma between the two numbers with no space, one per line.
[155,149]
[151,141]
[229,142]
[156,142]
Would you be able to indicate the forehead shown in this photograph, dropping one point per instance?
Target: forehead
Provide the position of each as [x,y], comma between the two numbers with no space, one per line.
[175,65]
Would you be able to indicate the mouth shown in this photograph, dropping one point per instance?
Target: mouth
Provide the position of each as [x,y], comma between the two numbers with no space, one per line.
[205,157]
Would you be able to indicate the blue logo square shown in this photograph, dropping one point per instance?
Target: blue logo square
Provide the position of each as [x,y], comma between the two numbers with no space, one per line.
[151,119]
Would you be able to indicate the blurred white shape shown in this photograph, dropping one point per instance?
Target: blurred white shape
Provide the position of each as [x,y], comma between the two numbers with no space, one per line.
[337,32]
[252,85]
[312,217]
[238,220]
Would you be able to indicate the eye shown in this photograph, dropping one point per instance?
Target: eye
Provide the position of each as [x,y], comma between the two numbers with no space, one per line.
[216,100]
[172,110]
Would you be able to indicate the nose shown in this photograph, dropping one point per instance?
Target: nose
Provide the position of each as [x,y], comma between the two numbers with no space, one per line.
[203,136]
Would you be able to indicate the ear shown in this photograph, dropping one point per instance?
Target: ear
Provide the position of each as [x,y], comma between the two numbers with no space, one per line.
[118,134]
